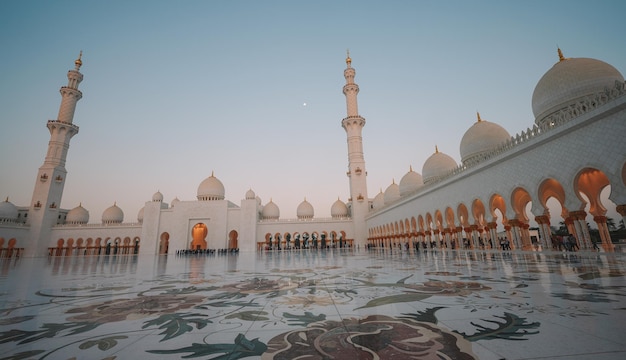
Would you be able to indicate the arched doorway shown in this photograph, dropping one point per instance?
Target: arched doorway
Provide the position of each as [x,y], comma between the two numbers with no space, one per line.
[233,240]
[164,243]
[198,235]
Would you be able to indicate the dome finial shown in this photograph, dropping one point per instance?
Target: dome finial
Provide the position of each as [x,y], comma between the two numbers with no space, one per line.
[478,116]
[212,173]
[348,59]
[436,149]
[78,63]
[410,168]
[7,199]
[561,57]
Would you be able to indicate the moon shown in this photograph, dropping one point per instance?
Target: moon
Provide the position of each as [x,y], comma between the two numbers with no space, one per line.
[303,104]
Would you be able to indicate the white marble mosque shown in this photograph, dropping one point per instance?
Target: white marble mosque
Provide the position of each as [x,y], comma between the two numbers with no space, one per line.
[417,271]
[579,103]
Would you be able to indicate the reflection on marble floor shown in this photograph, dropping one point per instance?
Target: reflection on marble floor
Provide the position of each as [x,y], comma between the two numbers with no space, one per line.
[336,304]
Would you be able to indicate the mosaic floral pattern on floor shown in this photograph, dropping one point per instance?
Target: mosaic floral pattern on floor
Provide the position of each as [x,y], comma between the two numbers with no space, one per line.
[287,305]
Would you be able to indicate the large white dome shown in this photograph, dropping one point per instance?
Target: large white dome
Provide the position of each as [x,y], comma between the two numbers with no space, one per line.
[392,193]
[78,215]
[8,211]
[211,189]
[250,195]
[379,200]
[436,166]
[270,211]
[140,214]
[305,210]
[157,197]
[481,138]
[568,81]
[410,182]
[113,215]
[339,210]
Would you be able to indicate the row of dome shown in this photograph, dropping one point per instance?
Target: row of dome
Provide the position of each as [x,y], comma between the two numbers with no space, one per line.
[115,215]
[569,81]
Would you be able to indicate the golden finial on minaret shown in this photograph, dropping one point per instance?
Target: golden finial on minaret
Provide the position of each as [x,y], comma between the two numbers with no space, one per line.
[561,57]
[348,59]
[478,116]
[78,61]
[436,149]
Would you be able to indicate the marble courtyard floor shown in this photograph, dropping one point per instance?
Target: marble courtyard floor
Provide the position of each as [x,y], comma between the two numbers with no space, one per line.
[336,304]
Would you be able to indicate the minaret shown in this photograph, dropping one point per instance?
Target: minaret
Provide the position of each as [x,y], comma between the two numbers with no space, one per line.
[353,124]
[44,207]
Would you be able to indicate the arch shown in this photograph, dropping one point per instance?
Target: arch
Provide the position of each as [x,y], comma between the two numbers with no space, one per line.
[551,188]
[233,239]
[164,243]
[591,182]
[519,199]
[439,224]
[198,235]
[478,212]
[463,215]
[449,217]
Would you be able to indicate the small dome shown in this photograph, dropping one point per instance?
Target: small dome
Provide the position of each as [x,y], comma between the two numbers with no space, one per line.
[436,166]
[157,196]
[174,201]
[481,138]
[410,182]
[305,210]
[140,215]
[270,211]
[392,193]
[78,215]
[379,200]
[8,211]
[211,189]
[113,215]
[339,210]
[250,195]
[568,81]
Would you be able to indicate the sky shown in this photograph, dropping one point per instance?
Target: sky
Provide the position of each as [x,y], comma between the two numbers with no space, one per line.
[251,91]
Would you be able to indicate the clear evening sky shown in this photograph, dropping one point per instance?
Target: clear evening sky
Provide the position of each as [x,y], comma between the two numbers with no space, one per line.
[175,90]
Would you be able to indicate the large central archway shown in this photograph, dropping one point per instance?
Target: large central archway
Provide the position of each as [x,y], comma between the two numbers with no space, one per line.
[198,235]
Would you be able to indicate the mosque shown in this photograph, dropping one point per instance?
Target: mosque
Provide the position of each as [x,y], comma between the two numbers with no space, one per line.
[577,145]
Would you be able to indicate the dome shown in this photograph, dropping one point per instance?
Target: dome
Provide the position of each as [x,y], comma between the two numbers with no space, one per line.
[250,195]
[113,215]
[270,211]
[410,182]
[339,209]
[305,210]
[157,196]
[211,189]
[140,215]
[436,166]
[570,80]
[392,193]
[8,211]
[175,201]
[78,215]
[379,200]
[481,138]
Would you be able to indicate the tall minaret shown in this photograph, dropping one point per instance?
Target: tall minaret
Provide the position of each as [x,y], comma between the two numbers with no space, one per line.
[353,124]
[44,207]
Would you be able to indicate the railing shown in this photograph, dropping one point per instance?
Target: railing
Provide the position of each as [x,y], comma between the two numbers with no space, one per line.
[93,250]
[7,253]
[97,225]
